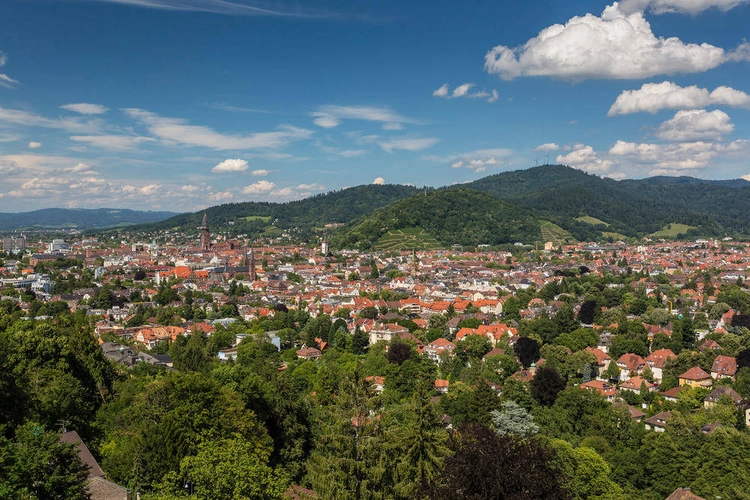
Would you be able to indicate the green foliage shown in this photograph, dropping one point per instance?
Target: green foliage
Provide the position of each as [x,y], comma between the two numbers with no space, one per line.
[34,464]
[451,216]
[513,419]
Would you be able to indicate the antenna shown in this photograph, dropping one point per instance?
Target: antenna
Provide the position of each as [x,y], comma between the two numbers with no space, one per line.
[547,157]
[536,161]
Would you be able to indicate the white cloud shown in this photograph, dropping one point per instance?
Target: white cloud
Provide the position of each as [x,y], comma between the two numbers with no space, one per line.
[585,158]
[85,108]
[221,196]
[654,97]
[35,145]
[27,119]
[379,181]
[352,153]
[230,165]
[615,46]
[114,142]
[260,187]
[548,146]
[330,116]
[478,160]
[178,131]
[694,125]
[229,7]
[286,192]
[261,172]
[392,126]
[678,6]
[462,90]
[671,159]
[311,187]
[442,91]
[5,80]
[408,144]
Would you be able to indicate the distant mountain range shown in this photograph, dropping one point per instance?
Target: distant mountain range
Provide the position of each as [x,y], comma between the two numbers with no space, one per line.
[547,203]
[64,218]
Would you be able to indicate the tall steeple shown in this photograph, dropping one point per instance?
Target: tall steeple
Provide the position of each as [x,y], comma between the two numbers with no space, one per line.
[253,274]
[205,234]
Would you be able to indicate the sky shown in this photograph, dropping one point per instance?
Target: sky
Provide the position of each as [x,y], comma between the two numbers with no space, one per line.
[183,104]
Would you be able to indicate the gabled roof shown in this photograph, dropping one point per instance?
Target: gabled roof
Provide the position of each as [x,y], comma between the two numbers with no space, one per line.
[684,494]
[632,361]
[657,358]
[724,365]
[695,373]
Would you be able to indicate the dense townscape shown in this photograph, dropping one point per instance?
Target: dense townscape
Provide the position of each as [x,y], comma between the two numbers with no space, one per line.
[225,369]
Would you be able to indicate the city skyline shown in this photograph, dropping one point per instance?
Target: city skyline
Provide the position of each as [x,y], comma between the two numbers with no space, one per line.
[179,105]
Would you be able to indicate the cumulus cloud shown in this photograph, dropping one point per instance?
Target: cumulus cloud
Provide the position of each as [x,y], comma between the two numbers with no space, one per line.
[547,146]
[85,108]
[463,90]
[330,116]
[260,187]
[311,187]
[672,159]
[442,91]
[179,131]
[408,144]
[654,97]
[230,165]
[585,158]
[261,172]
[696,124]
[35,145]
[616,45]
[678,6]
[379,181]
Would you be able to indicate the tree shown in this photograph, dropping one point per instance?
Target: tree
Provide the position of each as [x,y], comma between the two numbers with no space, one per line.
[420,444]
[565,319]
[513,419]
[349,460]
[546,385]
[229,468]
[36,465]
[585,474]
[398,351]
[482,403]
[487,465]
[587,312]
[527,351]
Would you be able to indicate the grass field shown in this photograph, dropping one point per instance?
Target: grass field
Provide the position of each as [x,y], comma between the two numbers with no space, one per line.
[407,239]
[264,218]
[554,233]
[614,236]
[671,231]
[591,220]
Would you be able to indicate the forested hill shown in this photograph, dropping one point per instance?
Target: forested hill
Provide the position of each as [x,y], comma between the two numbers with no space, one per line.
[79,218]
[448,216]
[631,207]
[317,211]
[569,203]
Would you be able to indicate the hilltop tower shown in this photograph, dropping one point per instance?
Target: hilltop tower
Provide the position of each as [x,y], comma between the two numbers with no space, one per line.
[205,234]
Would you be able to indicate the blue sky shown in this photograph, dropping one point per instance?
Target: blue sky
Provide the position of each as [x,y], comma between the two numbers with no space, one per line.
[182,104]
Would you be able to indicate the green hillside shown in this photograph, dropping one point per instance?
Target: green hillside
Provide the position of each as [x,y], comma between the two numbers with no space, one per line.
[455,216]
[263,218]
